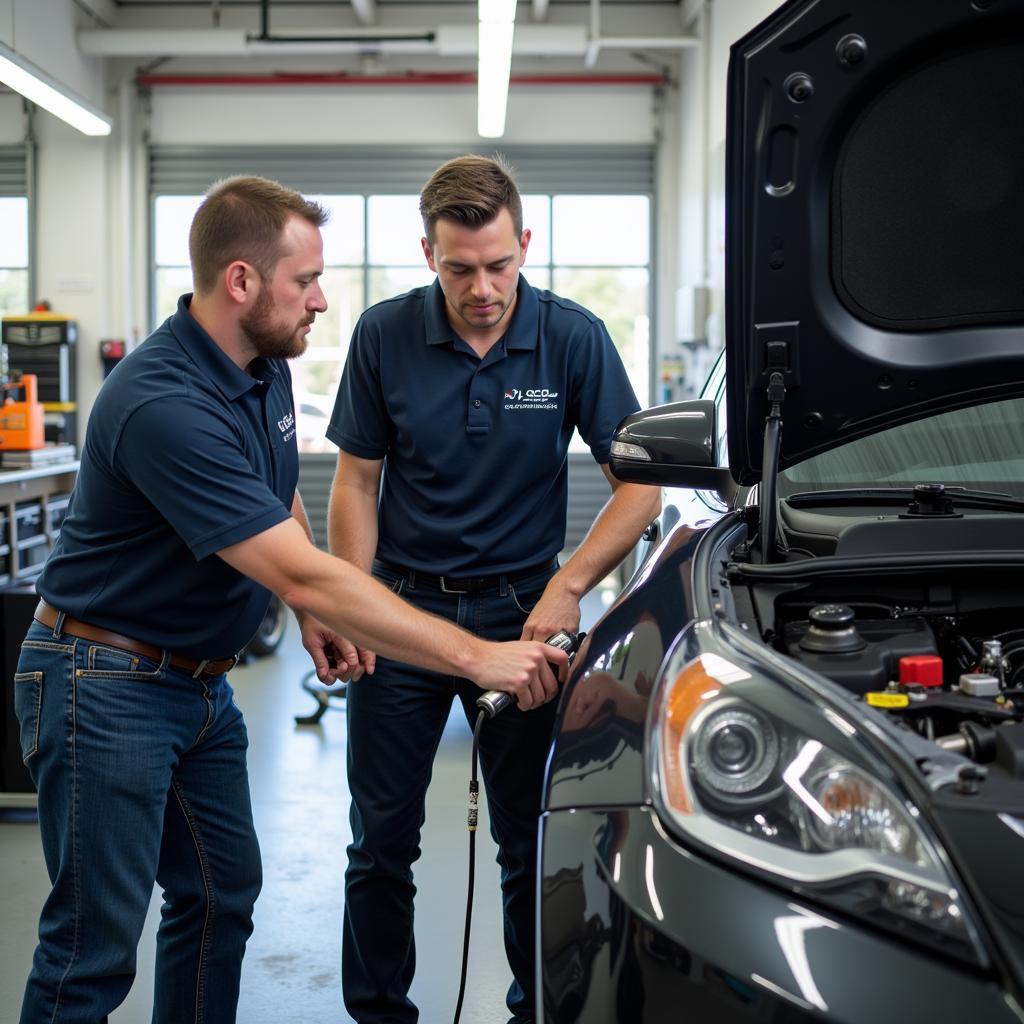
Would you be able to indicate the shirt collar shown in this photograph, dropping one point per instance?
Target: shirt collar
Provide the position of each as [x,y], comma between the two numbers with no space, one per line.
[211,359]
[521,332]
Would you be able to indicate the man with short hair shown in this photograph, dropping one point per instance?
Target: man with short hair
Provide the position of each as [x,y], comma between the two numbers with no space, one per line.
[464,396]
[184,516]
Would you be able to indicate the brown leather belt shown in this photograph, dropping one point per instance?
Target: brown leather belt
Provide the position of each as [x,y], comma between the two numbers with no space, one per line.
[48,615]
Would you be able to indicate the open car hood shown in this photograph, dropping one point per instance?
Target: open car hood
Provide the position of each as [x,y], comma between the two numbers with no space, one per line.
[874,218]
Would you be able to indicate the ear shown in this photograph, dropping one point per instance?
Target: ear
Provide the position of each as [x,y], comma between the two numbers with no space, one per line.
[524,244]
[428,252]
[240,281]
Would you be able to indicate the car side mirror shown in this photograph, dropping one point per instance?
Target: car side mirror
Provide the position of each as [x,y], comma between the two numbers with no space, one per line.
[674,445]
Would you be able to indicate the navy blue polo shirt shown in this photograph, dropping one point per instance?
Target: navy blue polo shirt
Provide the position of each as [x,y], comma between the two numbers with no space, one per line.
[185,454]
[475,469]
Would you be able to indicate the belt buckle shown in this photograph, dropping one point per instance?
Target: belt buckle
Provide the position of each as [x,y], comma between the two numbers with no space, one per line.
[455,588]
[201,667]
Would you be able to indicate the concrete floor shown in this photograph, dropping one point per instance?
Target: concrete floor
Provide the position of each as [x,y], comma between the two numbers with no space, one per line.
[291,971]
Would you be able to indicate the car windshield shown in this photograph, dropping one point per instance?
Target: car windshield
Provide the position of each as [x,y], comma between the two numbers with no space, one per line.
[981,448]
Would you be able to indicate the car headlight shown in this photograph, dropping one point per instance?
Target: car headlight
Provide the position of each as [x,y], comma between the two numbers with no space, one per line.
[760,773]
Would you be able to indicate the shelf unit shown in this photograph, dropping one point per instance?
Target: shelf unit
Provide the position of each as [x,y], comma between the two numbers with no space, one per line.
[33,503]
[32,507]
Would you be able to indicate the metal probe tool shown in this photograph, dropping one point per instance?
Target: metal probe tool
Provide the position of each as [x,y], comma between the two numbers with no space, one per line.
[495,701]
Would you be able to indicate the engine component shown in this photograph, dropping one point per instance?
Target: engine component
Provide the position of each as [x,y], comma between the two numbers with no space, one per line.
[979,684]
[923,669]
[1010,749]
[992,661]
[832,631]
[869,666]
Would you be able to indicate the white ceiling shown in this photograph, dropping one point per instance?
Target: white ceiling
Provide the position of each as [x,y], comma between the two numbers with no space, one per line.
[586,37]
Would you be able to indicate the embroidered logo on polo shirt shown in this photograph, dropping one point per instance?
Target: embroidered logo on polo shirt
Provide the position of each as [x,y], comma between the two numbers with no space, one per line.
[531,398]
[287,427]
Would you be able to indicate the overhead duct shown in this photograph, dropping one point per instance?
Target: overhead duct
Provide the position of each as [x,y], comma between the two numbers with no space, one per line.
[443,41]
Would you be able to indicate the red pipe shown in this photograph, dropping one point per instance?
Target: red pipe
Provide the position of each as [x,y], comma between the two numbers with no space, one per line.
[414,78]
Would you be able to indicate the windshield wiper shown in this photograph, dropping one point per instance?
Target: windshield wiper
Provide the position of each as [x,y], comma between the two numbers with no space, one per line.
[960,496]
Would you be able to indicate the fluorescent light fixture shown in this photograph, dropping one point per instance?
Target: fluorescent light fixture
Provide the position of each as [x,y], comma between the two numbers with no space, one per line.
[36,85]
[494,65]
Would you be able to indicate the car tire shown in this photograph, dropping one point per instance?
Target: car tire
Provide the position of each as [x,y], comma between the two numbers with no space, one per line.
[268,636]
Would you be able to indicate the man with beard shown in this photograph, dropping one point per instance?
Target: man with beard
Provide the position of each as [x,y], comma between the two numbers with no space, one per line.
[464,395]
[185,514]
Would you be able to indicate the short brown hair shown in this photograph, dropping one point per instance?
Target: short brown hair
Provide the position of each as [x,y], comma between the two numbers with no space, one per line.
[472,191]
[242,218]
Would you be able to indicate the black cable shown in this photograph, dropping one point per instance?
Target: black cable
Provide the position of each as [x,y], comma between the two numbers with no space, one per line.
[490,704]
[471,821]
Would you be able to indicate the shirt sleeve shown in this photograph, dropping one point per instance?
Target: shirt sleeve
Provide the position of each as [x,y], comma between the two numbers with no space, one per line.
[360,424]
[189,462]
[602,395]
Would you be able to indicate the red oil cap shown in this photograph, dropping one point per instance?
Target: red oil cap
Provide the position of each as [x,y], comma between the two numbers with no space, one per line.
[923,669]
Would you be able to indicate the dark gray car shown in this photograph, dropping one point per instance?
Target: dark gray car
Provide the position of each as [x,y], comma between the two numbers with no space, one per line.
[787,780]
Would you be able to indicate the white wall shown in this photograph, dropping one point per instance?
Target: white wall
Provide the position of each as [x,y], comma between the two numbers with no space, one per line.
[394,114]
[700,166]
[43,31]
[73,255]
[92,255]
[12,120]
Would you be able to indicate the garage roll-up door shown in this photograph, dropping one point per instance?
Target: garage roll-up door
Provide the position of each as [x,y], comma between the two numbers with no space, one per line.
[189,170]
[13,171]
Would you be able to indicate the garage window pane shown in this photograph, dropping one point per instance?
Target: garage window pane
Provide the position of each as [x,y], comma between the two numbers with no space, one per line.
[172,220]
[620,297]
[539,277]
[171,282]
[611,231]
[14,232]
[537,217]
[316,373]
[388,281]
[343,233]
[395,229]
[13,292]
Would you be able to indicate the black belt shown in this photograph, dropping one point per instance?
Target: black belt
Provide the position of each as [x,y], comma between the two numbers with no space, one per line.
[465,584]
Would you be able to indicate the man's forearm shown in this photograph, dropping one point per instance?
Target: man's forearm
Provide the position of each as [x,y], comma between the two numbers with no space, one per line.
[299,512]
[352,525]
[374,618]
[349,602]
[618,526]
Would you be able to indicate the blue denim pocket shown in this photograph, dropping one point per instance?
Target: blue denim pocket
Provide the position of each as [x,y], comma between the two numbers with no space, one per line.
[28,698]
[526,593]
[116,663]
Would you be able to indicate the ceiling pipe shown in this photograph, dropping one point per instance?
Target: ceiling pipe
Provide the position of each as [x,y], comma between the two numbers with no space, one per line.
[364,12]
[540,10]
[413,78]
[594,44]
[445,41]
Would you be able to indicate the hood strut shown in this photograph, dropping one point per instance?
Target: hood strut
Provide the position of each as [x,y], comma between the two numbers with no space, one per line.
[769,507]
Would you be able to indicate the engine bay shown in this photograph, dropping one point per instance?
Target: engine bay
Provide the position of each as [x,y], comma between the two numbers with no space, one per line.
[932,648]
[956,679]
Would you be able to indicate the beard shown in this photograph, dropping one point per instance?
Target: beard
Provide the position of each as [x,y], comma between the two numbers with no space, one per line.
[477,320]
[268,336]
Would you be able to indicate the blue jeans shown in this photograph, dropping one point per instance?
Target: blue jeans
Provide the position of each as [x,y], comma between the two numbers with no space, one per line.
[141,777]
[395,721]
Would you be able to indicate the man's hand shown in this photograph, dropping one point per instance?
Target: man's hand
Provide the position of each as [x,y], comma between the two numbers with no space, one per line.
[557,610]
[522,669]
[334,656]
